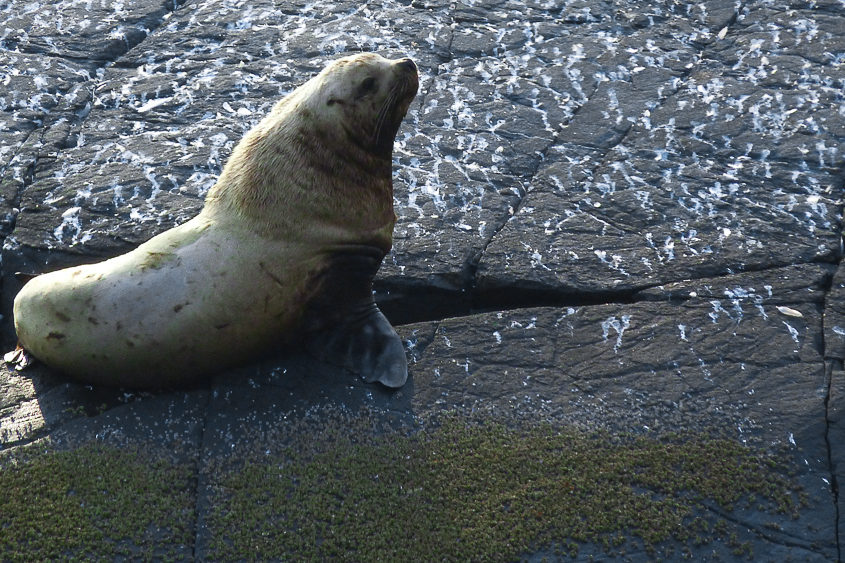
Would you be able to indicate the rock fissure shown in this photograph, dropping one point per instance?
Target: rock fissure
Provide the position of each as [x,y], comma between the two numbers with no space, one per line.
[513,298]
[472,266]
[512,211]
[8,223]
[418,345]
[833,367]
[780,537]
[17,153]
[617,168]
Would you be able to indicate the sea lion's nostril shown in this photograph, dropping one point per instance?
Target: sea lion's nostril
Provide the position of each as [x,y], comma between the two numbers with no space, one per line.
[408,64]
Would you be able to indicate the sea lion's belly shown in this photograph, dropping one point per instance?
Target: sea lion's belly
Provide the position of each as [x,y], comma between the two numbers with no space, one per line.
[192,300]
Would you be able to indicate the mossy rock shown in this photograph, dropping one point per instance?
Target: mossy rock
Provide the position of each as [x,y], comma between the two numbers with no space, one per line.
[351,488]
[94,503]
[470,490]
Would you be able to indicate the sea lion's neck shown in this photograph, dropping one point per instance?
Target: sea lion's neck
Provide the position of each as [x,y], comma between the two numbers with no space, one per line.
[290,177]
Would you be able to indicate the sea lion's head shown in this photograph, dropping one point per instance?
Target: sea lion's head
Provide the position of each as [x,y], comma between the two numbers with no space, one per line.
[368,96]
[323,150]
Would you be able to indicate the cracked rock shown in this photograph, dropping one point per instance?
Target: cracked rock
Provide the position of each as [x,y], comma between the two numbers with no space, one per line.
[621,215]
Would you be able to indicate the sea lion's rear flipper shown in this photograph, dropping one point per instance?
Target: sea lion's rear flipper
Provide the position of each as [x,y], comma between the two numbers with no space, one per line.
[346,327]
[19,358]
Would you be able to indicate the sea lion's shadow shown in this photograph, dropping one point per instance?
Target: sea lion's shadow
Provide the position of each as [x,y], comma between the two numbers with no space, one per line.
[271,400]
[297,381]
[209,415]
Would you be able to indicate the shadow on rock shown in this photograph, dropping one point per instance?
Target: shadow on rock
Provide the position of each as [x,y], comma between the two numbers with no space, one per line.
[208,417]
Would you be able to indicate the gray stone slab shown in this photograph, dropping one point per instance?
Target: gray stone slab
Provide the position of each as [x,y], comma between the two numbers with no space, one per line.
[33,404]
[622,215]
[39,403]
[740,359]
[93,33]
[728,166]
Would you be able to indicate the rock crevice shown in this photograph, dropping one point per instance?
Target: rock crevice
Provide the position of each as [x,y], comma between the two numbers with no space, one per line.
[622,216]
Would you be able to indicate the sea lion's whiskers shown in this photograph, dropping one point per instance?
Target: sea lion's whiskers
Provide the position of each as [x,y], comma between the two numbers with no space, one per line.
[384,111]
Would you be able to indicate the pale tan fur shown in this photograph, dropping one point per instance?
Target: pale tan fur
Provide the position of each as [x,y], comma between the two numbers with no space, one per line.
[235,280]
[302,146]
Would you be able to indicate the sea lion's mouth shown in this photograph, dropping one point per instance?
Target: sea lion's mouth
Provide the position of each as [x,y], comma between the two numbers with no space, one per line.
[395,106]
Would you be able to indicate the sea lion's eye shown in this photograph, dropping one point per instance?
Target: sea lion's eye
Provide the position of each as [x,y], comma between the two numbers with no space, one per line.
[368,85]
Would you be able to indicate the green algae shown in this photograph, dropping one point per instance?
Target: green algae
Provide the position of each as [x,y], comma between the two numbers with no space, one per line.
[94,503]
[486,491]
[454,489]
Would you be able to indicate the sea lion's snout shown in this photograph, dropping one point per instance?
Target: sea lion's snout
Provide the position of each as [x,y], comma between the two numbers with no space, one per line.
[408,71]
[407,65]
[408,76]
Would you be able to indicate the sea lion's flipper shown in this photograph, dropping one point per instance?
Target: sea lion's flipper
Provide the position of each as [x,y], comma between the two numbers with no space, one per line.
[19,358]
[383,353]
[347,328]
[365,345]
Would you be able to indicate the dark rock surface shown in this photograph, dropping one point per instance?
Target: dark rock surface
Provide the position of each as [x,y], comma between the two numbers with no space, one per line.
[625,215]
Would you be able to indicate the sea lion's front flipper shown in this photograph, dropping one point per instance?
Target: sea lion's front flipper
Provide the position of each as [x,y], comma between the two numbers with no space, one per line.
[365,345]
[346,327]
[381,355]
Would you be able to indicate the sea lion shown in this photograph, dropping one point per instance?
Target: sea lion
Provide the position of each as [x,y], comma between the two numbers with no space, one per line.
[286,245]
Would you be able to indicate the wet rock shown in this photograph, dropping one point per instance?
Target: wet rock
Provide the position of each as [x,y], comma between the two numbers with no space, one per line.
[681,353]
[834,317]
[624,215]
[695,362]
